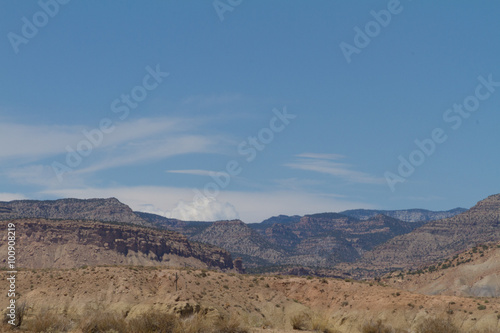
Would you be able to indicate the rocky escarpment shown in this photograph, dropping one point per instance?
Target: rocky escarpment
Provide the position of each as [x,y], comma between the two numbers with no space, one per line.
[236,237]
[439,239]
[107,210]
[318,240]
[43,243]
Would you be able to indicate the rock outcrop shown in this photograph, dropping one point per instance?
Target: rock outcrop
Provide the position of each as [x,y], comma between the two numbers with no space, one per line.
[44,243]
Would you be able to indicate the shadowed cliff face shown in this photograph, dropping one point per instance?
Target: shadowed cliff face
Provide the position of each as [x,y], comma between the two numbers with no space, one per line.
[107,210]
[43,243]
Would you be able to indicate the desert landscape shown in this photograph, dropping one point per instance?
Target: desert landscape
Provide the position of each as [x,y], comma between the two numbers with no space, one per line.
[79,269]
[244,166]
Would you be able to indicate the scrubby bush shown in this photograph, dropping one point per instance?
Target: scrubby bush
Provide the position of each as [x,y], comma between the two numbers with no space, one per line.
[306,322]
[433,325]
[48,321]
[154,322]
[100,322]
[301,321]
[377,327]
[21,309]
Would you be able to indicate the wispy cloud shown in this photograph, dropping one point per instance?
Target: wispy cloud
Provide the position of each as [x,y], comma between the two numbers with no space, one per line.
[131,153]
[323,163]
[196,172]
[25,148]
[39,175]
[321,156]
[32,142]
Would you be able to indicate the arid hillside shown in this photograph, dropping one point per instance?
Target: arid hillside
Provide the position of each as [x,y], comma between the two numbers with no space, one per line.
[439,239]
[475,272]
[258,303]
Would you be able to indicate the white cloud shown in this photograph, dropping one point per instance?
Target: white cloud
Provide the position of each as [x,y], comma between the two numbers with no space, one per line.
[322,163]
[206,209]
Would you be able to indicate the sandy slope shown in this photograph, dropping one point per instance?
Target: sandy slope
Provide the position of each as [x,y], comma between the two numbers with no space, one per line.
[260,301]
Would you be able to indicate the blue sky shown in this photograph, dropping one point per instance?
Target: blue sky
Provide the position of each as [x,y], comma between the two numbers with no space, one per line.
[247,109]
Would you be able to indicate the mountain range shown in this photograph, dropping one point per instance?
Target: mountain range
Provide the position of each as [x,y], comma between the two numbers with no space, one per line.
[98,254]
[358,242]
[438,239]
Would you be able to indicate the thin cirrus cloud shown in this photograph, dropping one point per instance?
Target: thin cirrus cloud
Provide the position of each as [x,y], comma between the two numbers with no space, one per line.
[32,142]
[33,149]
[321,156]
[326,164]
[150,150]
[196,172]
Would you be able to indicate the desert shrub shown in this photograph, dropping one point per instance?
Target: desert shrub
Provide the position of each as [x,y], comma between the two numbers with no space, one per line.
[320,324]
[378,327]
[152,321]
[103,322]
[301,321]
[199,323]
[48,321]
[195,324]
[20,313]
[433,325]
[228,325]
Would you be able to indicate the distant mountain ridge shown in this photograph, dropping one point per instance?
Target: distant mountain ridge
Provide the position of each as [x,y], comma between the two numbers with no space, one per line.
[407,215]
[106,210]
[438,239]
[322,240]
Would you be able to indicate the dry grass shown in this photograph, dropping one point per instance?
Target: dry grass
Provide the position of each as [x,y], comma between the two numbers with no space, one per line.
[433,325]
[228,325]
[301,321]
[48,321]
[154,322]
[98,322]
[306,322]
[21,309]
[377,327]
